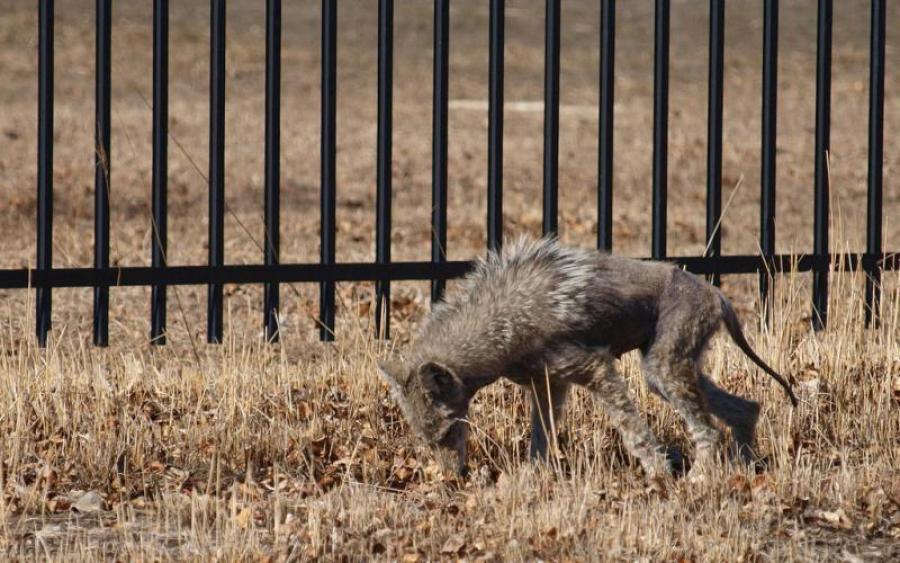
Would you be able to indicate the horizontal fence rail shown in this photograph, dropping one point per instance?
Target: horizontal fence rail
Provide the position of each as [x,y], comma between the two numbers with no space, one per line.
[366,271]
[327,272]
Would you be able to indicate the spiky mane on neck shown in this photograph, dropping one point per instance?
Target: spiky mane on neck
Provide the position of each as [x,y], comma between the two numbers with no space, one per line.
[528,290]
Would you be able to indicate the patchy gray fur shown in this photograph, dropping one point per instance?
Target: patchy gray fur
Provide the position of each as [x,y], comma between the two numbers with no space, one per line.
[548,316]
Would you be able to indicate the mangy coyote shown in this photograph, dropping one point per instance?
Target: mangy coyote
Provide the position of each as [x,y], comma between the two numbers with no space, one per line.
[548,316]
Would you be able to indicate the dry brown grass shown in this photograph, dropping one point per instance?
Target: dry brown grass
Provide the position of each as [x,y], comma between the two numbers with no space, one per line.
[253,451]
[248,451]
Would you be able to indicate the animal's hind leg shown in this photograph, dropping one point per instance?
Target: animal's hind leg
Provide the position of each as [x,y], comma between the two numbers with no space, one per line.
[548,397]
[738,413]
[689,315]
[678,381]
[612,391]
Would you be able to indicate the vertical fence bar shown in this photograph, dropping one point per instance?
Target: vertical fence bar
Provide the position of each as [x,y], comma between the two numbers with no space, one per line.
[216,166]
[273,163]
[383,174]
[328,169]
[823,149]
[768,149]
[876,160]
[714,134]
[160,165]
[660,127]
[605,153]
[495,125]
[439,141]
[102,165]
[43,296]
[551,117]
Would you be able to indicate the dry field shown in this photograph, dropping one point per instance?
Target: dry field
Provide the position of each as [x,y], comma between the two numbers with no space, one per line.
[294,451]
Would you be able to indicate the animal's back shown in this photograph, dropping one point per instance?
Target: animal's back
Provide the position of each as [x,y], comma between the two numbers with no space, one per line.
[534,293]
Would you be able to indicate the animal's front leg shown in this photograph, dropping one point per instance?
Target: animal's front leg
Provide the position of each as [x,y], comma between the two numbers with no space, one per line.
[453,448]
[548,397]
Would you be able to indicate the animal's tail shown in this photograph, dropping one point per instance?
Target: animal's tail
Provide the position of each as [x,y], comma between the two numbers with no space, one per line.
[737,334]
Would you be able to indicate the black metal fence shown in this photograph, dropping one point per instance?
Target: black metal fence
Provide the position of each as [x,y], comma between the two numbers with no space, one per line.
[159,275]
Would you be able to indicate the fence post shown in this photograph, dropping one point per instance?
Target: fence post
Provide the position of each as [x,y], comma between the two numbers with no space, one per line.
[43,295]
[714,134]
[876,162]
[660,127]
[551,117]
[102,162]
[328,171]
[768,150]
[495,126]
[272,163]
[383,171]
[216,166]
[439,141]
[605,148]
[160,166]
[822,180]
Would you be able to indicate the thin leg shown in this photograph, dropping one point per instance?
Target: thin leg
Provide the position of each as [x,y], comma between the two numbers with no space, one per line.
[679,382]
[547,401]
[612,391]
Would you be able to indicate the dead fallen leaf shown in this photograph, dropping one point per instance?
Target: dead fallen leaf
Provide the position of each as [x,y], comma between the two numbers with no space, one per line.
[58,504]
[739,484]
[761,485]
[835,518]
[454,545]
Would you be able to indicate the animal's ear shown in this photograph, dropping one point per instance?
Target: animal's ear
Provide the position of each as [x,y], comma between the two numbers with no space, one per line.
[440,380]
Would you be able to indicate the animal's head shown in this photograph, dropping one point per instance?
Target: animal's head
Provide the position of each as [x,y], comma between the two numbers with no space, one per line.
[434,402]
